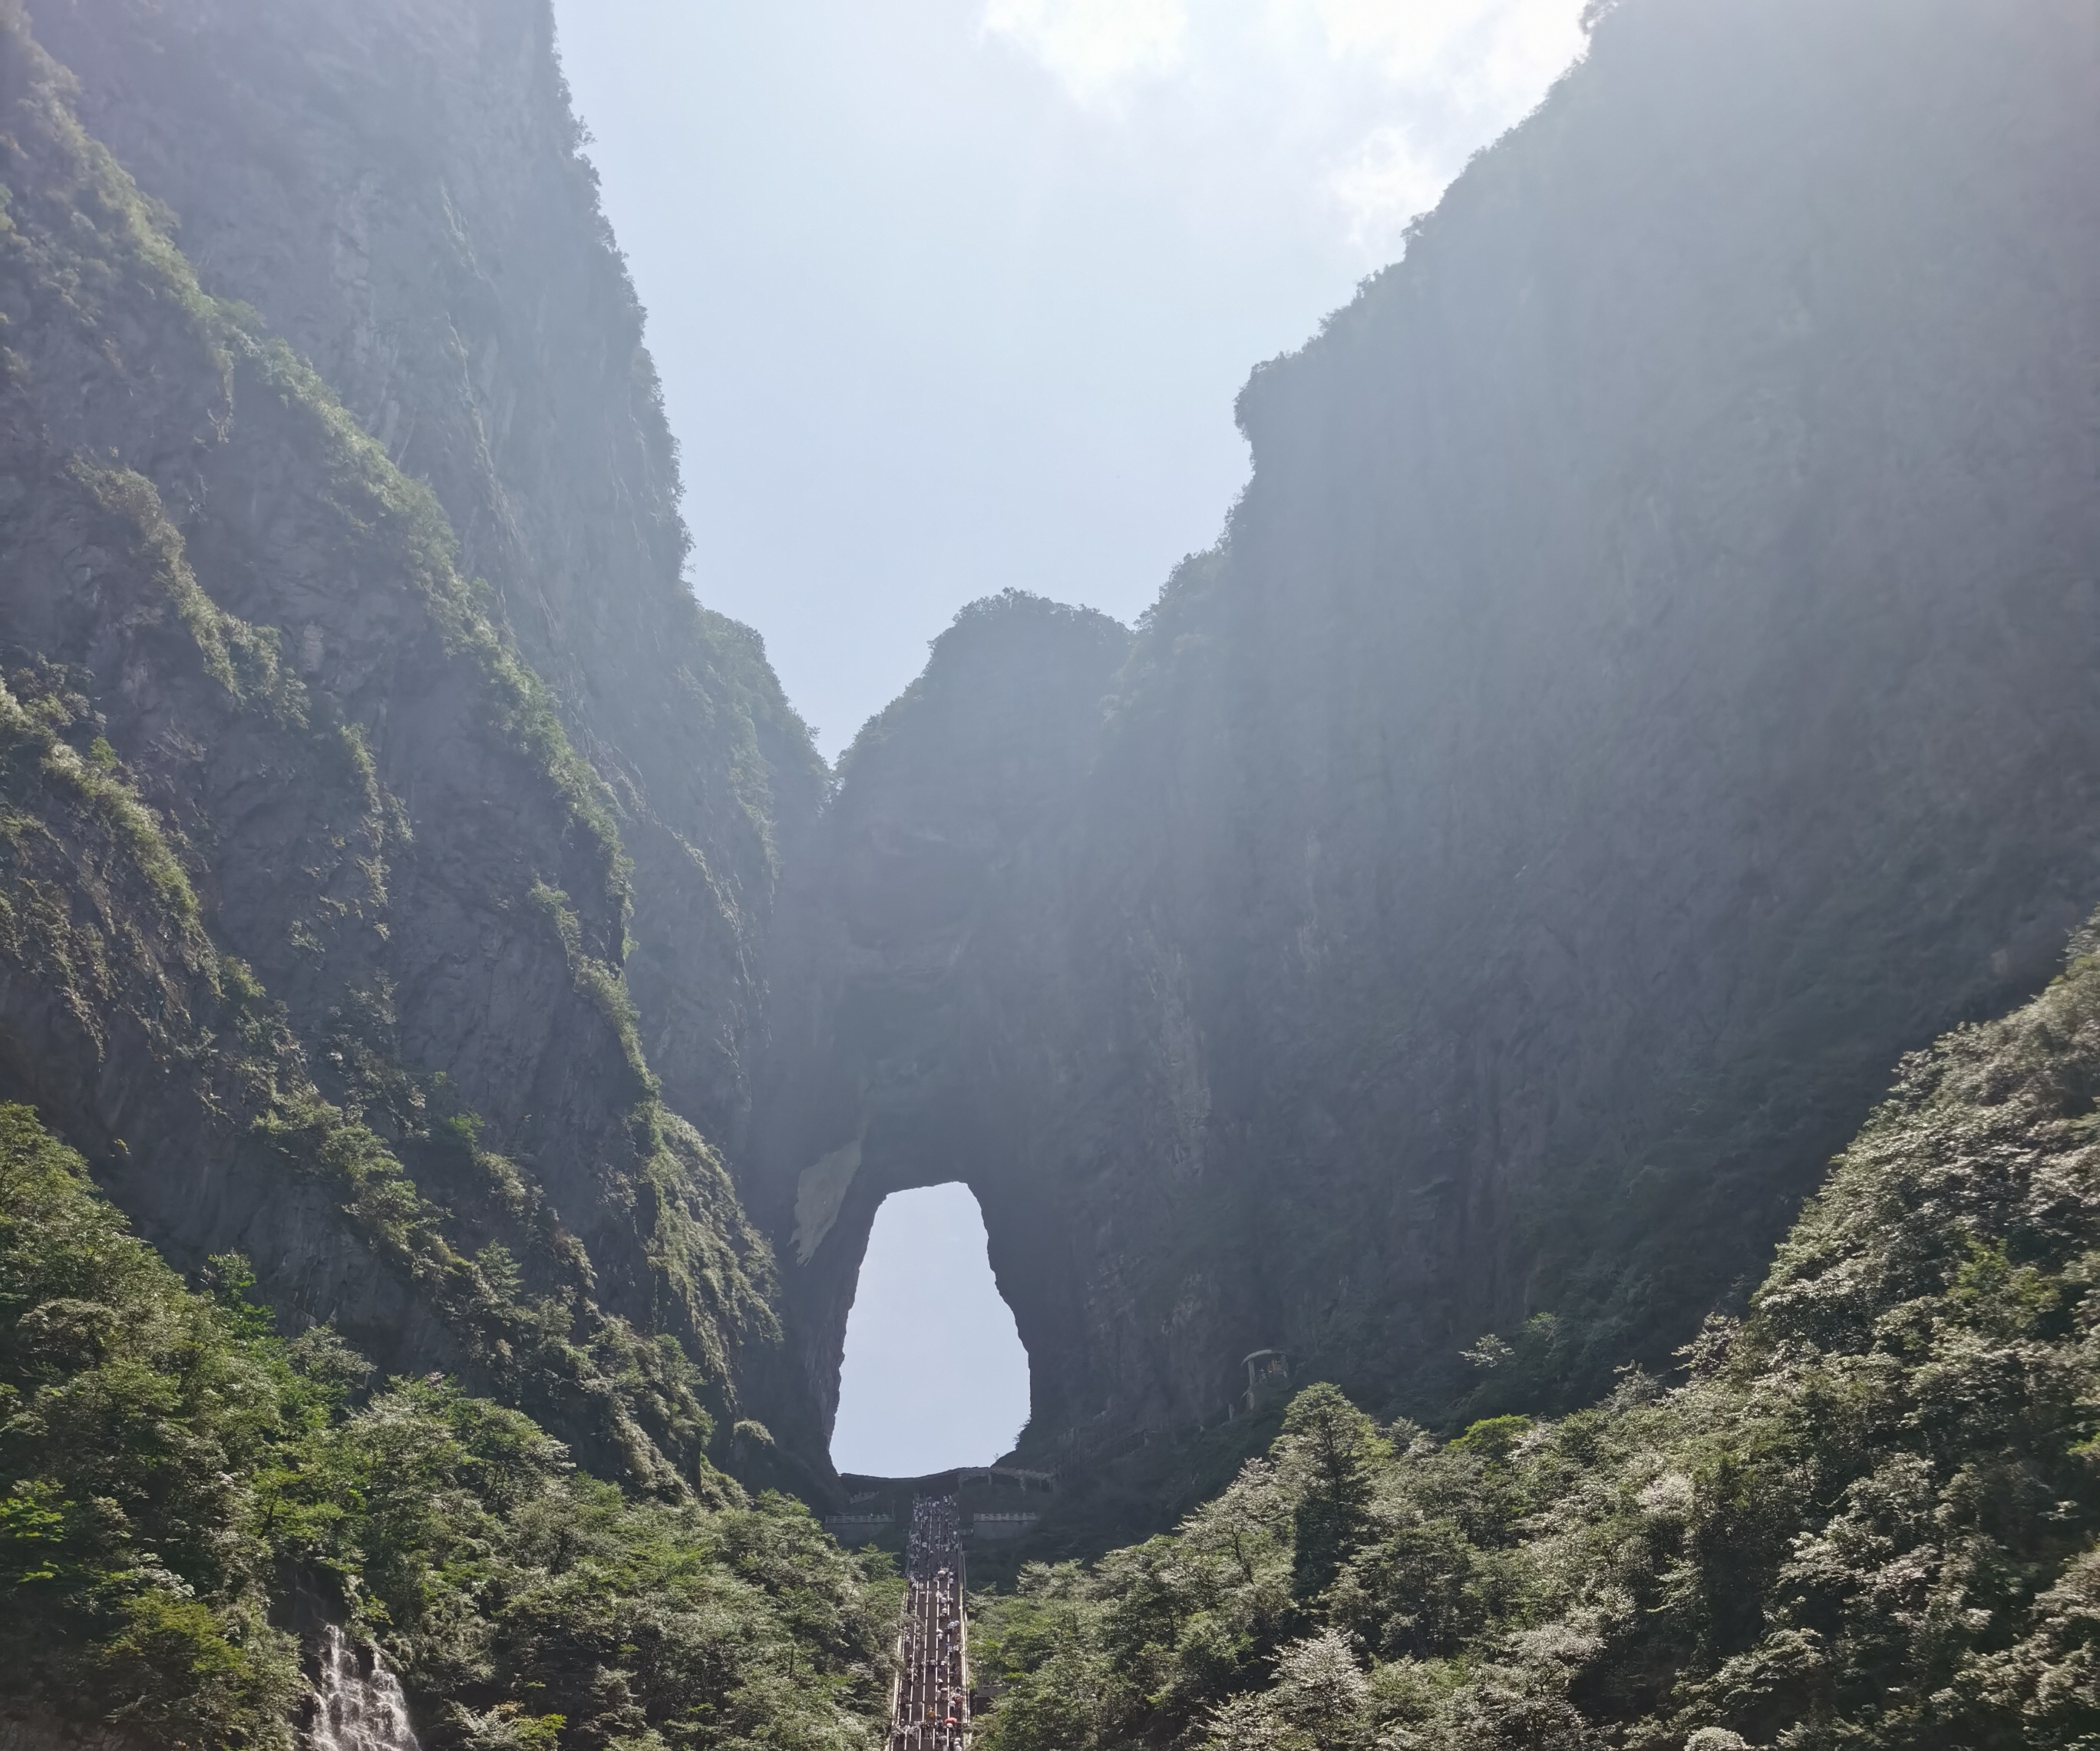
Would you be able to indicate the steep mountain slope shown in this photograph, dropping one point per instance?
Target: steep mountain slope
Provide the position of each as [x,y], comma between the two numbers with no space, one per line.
[1868,1519]
[397,188]
[1644,690]
[1641,693]
[318,917]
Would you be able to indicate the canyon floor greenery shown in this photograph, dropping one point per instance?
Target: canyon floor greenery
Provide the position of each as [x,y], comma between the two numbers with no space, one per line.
[183,1480]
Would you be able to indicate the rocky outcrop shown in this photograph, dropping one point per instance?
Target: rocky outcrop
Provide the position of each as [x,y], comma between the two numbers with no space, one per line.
[922,974]
[1644,691]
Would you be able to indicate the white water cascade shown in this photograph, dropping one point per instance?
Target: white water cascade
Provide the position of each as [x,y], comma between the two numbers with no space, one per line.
[358,1713]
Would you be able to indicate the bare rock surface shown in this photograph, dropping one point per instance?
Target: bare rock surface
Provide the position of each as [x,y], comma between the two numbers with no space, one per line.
[1643,692]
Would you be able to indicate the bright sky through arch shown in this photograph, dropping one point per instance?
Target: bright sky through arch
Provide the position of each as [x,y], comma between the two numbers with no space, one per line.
[951,295]
[935,1375]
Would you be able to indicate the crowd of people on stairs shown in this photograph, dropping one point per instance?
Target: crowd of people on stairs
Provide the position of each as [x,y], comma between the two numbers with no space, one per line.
[932,1711]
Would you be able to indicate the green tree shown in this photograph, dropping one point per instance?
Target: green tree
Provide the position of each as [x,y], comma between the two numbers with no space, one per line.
[1329,1450]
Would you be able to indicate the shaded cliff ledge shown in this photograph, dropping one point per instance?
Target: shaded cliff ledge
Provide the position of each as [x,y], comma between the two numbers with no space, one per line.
[315,918]
[1643,692]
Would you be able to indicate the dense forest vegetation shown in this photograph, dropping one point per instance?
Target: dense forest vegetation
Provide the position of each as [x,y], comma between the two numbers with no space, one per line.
[182,1482]
[1865,1516]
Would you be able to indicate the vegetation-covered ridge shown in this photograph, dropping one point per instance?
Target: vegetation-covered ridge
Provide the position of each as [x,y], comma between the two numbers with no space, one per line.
[1869,1514]
[313,919]
[401,196]
[184,1487]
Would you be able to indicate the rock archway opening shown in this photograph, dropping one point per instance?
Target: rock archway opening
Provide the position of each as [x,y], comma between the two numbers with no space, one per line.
[934,1375]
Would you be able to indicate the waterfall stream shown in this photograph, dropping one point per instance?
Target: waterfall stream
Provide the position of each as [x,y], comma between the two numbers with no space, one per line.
[358,1712]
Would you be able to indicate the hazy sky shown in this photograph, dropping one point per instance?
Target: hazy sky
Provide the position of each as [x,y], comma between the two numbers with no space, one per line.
[949,295]
[935,1375]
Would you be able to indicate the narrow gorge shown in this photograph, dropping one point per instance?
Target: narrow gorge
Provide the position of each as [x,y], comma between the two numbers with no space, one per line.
[457,1030]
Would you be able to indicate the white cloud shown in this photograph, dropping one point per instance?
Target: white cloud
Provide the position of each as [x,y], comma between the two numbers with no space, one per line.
[1456,73]
[1481,54]
[1382,185]
[1395,33]
[1093,46]
[1369,106]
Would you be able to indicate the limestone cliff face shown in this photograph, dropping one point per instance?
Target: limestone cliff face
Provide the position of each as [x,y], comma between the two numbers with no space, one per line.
[370,844]
[1644,690]
[924,1008]
[397,188]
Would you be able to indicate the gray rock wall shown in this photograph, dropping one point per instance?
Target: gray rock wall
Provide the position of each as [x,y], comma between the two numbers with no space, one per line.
[397,186]
[1644,690]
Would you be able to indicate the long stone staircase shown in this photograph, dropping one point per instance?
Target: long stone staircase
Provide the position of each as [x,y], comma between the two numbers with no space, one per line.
[931,1708]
